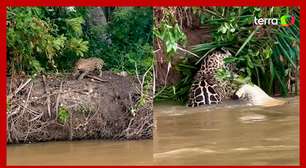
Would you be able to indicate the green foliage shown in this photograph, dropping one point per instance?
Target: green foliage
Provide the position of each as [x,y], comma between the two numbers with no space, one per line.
[63,115]
[36,42]
[126,40]
[74,24]
[170,35]
[225,75]
[77,45]
[265,55]
[179,92]
[51,39]
[145,90]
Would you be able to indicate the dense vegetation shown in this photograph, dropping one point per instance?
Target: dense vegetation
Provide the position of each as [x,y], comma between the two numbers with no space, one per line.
[265,55]
[51,39]
[43,44]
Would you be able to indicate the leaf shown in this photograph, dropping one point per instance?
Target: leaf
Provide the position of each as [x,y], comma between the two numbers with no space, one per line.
[75,25]
[247,41]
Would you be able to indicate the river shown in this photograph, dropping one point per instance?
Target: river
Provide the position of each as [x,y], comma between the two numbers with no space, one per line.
[226,134]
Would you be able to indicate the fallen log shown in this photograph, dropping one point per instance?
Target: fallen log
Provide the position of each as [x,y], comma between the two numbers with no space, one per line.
[59,107]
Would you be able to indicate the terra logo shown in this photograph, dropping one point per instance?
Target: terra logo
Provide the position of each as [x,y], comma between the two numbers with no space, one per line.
[285,20]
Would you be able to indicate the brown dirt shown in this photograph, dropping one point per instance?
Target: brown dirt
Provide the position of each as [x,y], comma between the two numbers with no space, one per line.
[194,36]
[197,36]
[95,109]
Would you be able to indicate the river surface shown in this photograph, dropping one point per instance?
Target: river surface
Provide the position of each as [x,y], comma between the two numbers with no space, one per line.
[97,152]
[226,134]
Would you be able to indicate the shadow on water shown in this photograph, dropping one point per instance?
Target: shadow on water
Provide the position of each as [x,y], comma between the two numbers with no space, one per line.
[226,134]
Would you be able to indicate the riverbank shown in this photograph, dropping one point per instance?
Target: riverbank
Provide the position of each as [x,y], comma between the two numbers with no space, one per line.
[59,107]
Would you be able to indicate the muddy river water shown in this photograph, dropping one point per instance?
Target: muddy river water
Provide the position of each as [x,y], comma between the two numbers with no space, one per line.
[82,153]
[227,134]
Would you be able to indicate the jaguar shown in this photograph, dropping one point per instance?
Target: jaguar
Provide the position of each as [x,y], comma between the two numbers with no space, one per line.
[207,88]
[85,65]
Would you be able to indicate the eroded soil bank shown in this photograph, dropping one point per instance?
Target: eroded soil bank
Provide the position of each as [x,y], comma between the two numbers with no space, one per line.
[56,107]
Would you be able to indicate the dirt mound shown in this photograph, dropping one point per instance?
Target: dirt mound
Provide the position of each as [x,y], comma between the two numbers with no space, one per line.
[61,108]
